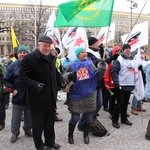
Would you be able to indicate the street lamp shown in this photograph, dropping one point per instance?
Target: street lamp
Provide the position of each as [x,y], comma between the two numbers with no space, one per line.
[133,5]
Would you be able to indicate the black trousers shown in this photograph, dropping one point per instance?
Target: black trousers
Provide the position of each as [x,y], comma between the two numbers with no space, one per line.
[2,112]
[43,121]
[121,105]
[112,100]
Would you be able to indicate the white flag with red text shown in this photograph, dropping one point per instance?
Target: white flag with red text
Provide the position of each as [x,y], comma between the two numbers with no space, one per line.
[69,37]
[139,34]
[103,34]
[53,32]
[75,37]
[139,85]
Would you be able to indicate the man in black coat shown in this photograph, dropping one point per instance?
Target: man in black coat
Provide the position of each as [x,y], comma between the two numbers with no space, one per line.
[40,76]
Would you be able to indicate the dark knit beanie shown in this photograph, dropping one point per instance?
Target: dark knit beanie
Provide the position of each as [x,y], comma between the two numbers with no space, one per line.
[92,40]
[58,50]
[125,46]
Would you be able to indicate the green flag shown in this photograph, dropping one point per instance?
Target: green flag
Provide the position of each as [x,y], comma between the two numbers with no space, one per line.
[85,13]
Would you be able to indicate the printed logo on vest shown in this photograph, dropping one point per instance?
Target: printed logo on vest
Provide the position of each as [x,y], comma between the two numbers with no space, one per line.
[82,74]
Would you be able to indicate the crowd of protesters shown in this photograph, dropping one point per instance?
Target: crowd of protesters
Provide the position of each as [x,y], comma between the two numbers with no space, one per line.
[35,78]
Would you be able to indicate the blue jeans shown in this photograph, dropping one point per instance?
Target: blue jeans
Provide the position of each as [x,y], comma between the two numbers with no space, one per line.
[135,102]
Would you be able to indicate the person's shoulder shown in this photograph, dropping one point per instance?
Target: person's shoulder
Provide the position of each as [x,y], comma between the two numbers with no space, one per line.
[13,64]
[29,55]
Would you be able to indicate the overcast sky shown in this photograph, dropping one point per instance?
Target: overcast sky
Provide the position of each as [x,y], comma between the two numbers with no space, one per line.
[119,5]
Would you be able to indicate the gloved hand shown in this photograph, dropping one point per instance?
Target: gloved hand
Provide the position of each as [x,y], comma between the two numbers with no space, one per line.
[39,87]
[140,67]
[71,76]
[117,86]
[102,62]
[63,84]
[102,66]
[114,57]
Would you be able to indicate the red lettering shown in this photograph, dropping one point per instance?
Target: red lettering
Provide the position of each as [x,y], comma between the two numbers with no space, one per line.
[79,41]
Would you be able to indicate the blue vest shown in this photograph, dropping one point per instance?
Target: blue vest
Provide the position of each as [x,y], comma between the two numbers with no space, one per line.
[86,79]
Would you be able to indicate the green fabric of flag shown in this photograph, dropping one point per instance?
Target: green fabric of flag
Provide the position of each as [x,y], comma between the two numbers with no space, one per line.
[85,13]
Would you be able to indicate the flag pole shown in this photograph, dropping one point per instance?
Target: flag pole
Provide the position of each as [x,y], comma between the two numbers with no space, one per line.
[135,21]
[35,24]
[106,43]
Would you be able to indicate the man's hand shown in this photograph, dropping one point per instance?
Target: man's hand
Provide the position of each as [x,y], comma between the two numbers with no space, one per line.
[71,76]
[114,57]
[15,92]
[140,67]
[63,85]
[117,86]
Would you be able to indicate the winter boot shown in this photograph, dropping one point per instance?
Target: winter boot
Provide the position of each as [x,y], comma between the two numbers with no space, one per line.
[147,135]
[134,111]
[86,133]
[70,134]
[140,108]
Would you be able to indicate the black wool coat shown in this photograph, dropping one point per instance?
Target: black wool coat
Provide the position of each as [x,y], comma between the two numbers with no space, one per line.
[36,69]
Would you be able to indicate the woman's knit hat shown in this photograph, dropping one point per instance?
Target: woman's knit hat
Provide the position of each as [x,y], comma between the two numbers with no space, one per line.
[79,50]
[23,48]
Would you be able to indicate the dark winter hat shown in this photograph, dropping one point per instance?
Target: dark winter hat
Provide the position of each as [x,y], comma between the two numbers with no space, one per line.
[23,48]
[125,46]
[58,50]
[45,39]
[92,40]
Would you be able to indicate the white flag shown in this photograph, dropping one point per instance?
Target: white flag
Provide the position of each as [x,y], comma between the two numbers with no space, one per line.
[139,34]
[76,38]
[103,33]
[139,85]
[69,37]
[53,32]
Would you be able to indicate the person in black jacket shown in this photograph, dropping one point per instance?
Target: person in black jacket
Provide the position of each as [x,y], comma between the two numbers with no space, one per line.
[19,101]
[39,75]
[2,97]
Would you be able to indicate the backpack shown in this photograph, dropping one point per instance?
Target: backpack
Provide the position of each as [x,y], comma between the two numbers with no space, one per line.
[98,129]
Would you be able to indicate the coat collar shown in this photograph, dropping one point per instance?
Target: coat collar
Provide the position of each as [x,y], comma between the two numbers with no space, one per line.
[38,54]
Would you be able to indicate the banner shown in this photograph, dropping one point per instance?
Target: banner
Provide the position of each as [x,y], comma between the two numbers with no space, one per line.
[75,37]
[52,32]
[15,42]
[69,37]
[103,34]
[139,35]
[139,85]
[85,13]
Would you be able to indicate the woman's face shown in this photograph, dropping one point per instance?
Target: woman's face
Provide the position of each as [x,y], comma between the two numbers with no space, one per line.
[82,55]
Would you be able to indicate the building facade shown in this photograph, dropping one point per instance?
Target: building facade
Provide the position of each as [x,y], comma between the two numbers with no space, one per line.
[22,19]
